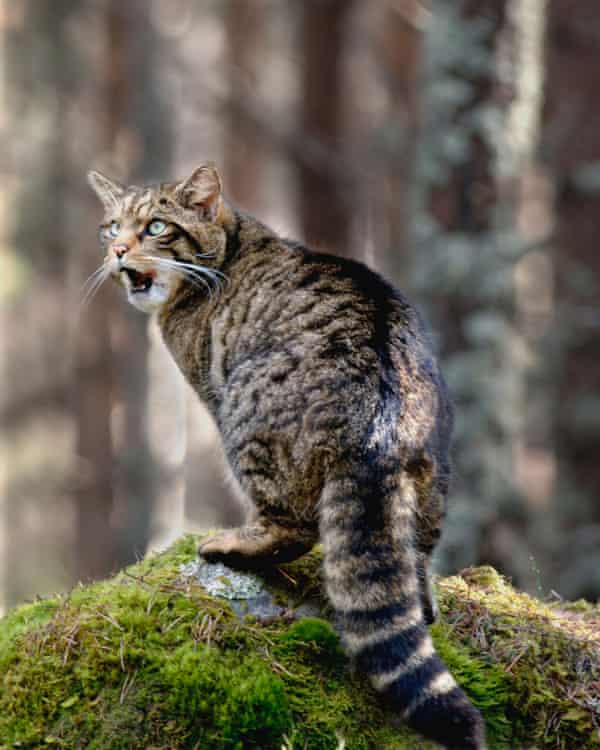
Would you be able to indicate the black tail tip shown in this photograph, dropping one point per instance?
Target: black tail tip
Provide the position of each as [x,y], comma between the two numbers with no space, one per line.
[451,720]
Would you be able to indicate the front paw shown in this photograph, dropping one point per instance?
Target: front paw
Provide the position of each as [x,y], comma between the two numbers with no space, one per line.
[218,547]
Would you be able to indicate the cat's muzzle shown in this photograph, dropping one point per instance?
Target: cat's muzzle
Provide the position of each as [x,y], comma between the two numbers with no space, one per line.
[140,282]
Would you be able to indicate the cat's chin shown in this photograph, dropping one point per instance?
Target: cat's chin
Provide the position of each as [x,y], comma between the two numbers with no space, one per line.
[149,300]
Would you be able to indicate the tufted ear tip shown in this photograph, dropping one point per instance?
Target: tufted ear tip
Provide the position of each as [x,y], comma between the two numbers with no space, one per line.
[207,174]
[106,189]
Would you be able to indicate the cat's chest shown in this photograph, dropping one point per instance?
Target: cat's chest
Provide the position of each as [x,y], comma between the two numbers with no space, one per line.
[188,341]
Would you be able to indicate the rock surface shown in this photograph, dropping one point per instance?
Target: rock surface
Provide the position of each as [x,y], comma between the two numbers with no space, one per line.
[247,593]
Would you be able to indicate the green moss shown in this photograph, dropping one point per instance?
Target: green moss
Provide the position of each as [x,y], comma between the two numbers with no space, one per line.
[149,660]
[220,698]
[486,684]
[313,634]
[551,658]
[22,619]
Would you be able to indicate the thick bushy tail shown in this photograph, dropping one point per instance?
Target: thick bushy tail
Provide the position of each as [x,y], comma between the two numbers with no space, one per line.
[367,528]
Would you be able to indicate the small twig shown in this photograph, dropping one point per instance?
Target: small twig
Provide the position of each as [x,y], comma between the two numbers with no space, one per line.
[111,620]
[172,624]
[151,603]
[281,668]
[516,659]
[288,576]
[127,685]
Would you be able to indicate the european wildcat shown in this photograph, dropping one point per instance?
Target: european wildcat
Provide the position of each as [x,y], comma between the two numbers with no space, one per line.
[333,415]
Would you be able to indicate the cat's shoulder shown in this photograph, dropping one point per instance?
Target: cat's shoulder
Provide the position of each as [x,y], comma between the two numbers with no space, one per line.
[317,265]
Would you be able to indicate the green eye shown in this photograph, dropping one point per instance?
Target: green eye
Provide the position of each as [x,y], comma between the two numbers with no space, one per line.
[156,227]
[114,229]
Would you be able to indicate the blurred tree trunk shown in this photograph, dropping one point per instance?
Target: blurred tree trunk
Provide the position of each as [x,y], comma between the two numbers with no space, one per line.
[39,58]
[572,153]
[464,261]
[116,500]
[399,47]
[137,116]
[526,199]
[325,195]
[95,543]
[243,155]
[466,200]
[94,373]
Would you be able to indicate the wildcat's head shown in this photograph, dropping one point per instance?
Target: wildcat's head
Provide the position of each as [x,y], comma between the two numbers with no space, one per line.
[160,237]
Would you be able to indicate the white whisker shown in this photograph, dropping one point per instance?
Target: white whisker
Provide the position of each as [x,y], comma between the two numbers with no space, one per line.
[92,277]
[198,276]
[92,285]
[192,271]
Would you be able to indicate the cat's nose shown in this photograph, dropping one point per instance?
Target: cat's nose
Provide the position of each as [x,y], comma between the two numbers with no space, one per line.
[120,250]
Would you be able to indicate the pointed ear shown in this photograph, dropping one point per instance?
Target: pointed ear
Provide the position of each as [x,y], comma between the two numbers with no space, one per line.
[201,191]
[108,191]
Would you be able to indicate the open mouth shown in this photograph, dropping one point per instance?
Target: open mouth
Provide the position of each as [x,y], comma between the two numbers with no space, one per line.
[140,282]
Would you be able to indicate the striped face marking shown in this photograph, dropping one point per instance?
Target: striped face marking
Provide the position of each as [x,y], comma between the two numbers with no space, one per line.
[133,257]
[148,249]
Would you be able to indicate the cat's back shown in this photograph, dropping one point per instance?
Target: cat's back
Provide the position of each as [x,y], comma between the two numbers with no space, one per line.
[332,307]
[292,290]
[313,329]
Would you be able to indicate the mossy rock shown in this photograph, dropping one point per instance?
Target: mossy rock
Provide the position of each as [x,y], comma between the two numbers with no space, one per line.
[151,660]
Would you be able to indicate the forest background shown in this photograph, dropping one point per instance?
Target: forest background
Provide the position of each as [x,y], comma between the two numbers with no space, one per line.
[455,147]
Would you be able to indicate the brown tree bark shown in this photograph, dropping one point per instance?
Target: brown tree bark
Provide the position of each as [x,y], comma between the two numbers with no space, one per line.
[40,57]
[399,50]
[243,155]
[137,112]
[116,502]
[325,196]
[571,150]
[95,541]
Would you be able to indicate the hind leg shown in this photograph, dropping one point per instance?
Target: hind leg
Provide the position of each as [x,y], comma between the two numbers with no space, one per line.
[432,488]
[427,537]
[257,544]
[428,602]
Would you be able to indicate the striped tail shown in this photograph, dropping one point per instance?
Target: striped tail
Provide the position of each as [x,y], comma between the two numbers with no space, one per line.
[367,529]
